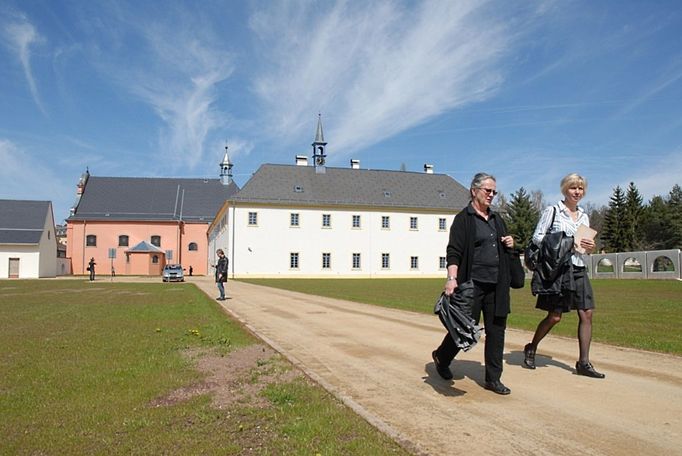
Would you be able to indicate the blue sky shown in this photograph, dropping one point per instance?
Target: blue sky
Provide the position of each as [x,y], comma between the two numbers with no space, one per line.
[527,91]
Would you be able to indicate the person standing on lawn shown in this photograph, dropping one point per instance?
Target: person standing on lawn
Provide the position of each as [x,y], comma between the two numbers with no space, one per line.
[91,268]
[567,216]
[221,273]
[476,251]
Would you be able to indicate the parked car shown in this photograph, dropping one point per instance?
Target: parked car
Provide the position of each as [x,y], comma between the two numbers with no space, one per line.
[173,273]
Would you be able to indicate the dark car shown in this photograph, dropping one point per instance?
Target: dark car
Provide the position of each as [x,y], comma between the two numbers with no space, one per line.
[173,273]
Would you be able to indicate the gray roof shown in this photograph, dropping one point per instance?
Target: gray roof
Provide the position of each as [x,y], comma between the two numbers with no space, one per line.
[22,222]
[302,185]
[152,199]
[144,246]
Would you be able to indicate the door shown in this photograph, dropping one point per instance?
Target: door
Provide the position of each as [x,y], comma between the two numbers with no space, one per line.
[14,268]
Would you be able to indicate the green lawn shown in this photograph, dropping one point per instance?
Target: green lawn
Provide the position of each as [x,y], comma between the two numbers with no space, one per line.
[81,364]
[644,314]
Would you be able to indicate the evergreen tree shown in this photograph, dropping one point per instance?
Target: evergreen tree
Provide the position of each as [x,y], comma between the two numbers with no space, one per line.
[614,234]
[521,217]
[655,223]
[674,205]
[632,219]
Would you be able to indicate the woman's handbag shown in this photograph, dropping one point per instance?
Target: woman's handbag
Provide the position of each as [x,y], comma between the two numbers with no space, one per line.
[516,272]
[532,251]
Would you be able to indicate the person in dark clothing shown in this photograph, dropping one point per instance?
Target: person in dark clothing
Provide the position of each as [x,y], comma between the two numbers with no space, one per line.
[221,273]
[91,268]
[190,270]
[476,251]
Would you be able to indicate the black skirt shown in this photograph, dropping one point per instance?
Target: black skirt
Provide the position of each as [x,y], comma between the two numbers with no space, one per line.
[580,299]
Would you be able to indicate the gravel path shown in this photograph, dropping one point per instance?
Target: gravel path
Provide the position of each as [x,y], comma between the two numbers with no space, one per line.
[378,361]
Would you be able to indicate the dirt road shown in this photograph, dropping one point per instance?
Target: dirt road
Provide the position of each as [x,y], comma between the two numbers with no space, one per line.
[378,361]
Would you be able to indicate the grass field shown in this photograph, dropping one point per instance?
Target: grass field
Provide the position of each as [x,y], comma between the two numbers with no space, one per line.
[81,365]
[644,314]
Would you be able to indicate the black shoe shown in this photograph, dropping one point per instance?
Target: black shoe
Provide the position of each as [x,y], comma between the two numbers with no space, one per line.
[587,370]
[219,299]
[443,371]
[529,356]
[497,387]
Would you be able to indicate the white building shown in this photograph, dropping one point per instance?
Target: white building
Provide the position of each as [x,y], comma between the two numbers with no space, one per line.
[315,221]
[28,245]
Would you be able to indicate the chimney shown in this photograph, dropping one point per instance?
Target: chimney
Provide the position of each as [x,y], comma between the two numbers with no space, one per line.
[428,169]
[301,160]
[354,164]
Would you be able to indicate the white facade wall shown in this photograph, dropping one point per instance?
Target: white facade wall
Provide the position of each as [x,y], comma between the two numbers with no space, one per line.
[35,260]
[47,263]
[29,260]
[264,249]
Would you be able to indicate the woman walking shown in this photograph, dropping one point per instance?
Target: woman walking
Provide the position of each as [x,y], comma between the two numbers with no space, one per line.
[476,251]
[567,216]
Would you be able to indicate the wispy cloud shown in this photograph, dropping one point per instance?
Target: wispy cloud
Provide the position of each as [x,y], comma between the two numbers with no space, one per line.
[20,35]
[376,69]
[21,171]
[175,68]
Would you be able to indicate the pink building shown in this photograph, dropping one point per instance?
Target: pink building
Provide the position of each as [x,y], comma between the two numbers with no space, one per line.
[136,225]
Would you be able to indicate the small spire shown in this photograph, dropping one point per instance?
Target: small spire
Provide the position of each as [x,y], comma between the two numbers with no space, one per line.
[319,136]
[226,169]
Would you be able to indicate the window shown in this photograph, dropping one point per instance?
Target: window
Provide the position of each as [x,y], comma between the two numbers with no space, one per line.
[123,240]
[294,219]
[253,218]
[442,224]
[326,220]
[192,247]
[385,260]
[414,262]
[326,261]
[91,240]
[356,261]
[293,260]
[156,240]
[155,259]
[413,223]
[48,234]
[442,263]
[356,221]
[385,222]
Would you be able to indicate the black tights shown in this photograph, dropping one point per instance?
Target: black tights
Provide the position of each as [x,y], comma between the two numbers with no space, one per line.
[584,331]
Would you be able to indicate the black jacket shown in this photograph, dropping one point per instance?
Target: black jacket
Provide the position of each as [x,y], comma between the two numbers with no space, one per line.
[221,268]
[554,271]
[460,251]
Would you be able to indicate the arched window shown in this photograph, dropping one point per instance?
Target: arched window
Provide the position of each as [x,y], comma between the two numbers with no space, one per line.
[193,247]
[663,264]
[156,240]
[155,259]
[632,265]
[91,240]
[123,240]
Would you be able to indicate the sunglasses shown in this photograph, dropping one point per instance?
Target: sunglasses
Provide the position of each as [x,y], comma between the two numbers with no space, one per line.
[489,191]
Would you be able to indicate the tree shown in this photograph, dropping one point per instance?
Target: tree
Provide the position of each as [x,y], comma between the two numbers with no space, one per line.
[655,222]
[538,199]
[596,215]
[614,233]
[674,205]
[521,217]
[632,219]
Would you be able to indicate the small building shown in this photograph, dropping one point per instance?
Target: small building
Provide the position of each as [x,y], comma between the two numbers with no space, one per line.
[28,245]
[310,220]
[117,221]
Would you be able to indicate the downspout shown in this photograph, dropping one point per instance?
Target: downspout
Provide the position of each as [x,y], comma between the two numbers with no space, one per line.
[85,224]
[233,231]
